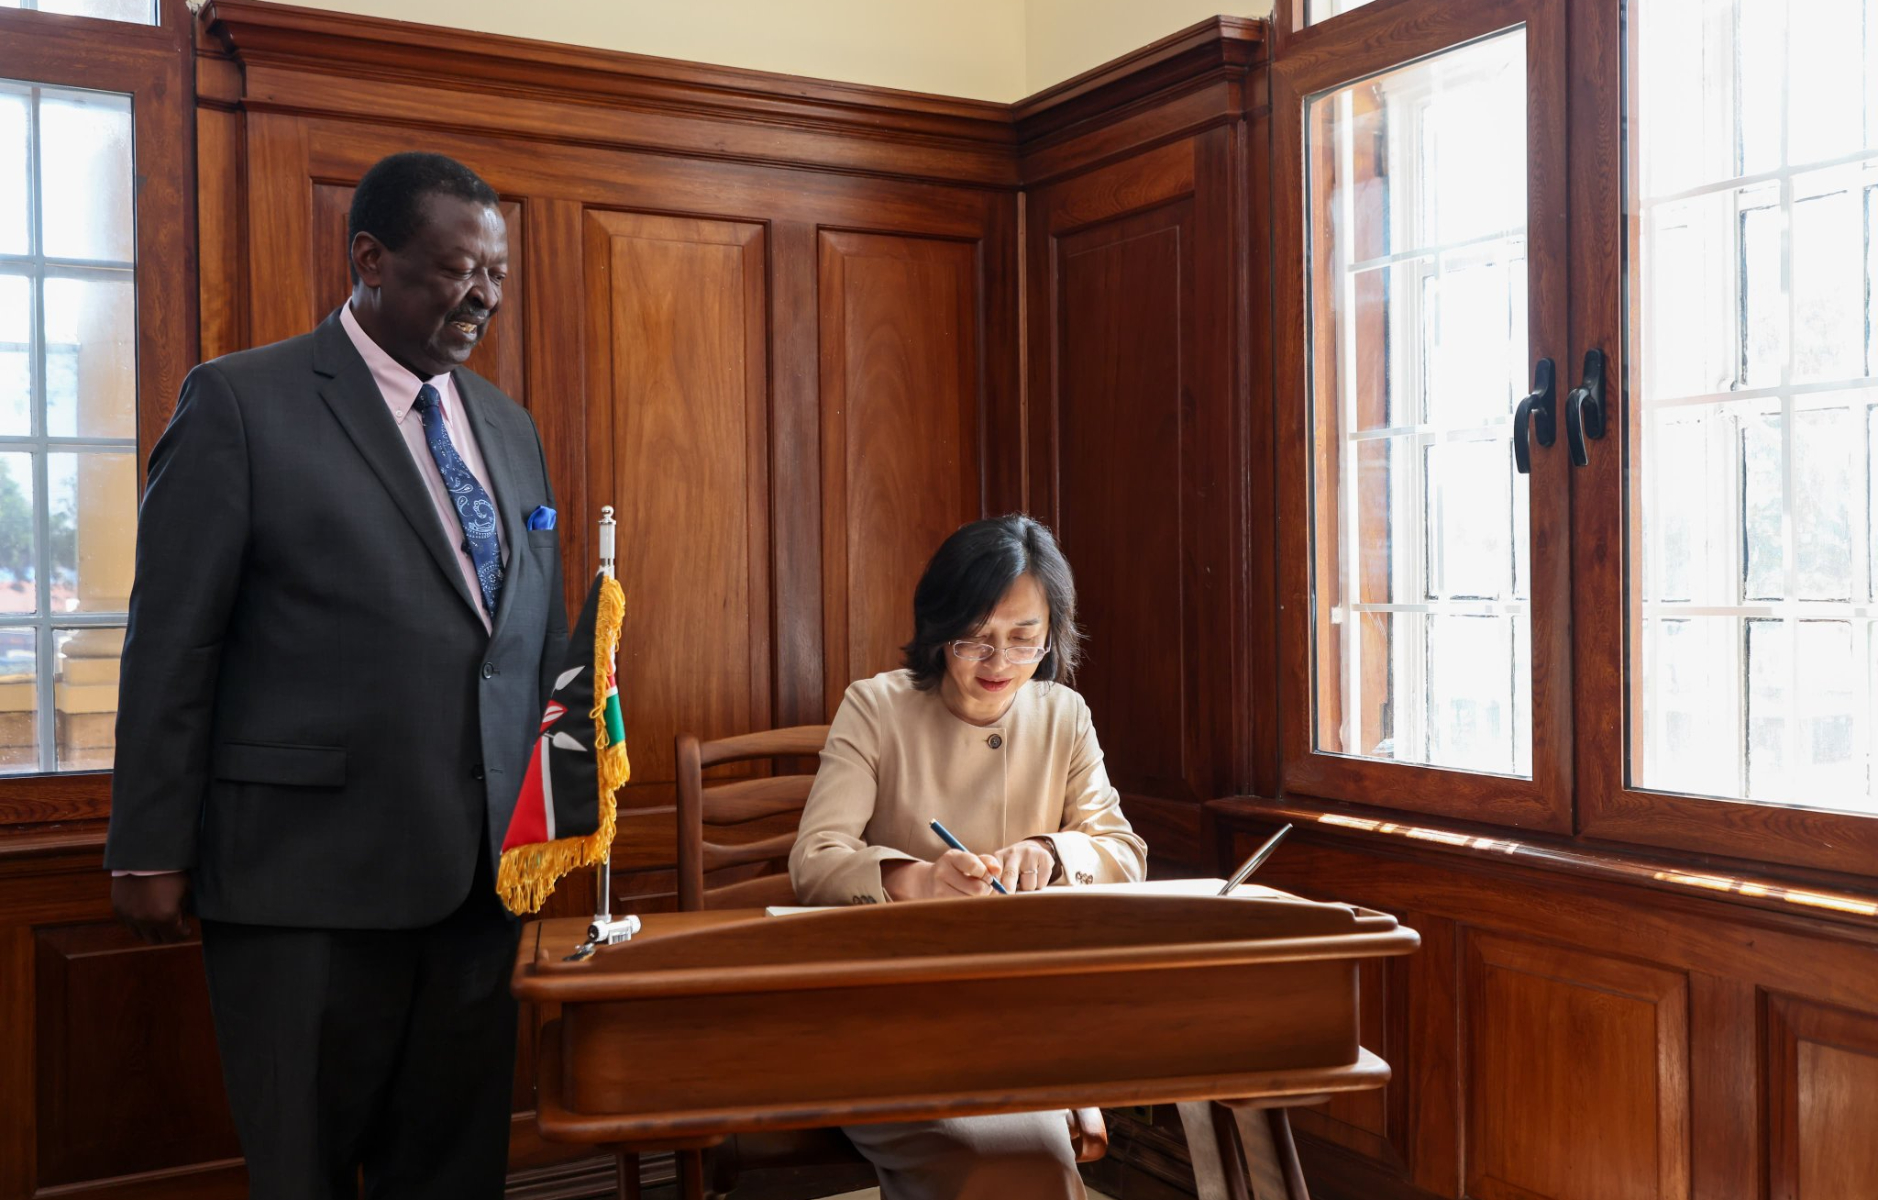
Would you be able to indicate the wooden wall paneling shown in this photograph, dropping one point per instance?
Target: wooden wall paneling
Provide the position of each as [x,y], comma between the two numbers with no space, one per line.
[1214,505]
[796,474]
[1260,536]
[221,222]
[1582,998]
[1126,341]
[1616,920]
[900,413]
[19,1146]
[1577,1074]
[1822,1100]
[1190,80]
[1724,1102]
[678,354]
[280,230]
[1427,1082]
[109,1081]
[376,70]
[1004,432]
[556,373]
[635,180]
[1137,426]
[128,1074]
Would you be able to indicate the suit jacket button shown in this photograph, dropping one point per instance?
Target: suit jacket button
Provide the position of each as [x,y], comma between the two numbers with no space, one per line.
[995,741]
[489,670]
[476,772]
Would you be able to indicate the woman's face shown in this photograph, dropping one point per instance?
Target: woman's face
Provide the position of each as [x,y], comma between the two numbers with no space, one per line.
[981,691]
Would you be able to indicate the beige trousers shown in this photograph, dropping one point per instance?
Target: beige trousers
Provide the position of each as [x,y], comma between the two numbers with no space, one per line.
[1018,1156]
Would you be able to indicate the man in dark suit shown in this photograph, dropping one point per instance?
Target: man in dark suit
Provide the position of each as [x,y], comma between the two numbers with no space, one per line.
[346,619]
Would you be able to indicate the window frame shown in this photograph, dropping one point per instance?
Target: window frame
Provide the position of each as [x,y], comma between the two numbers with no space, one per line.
[1344,49]
[153,64]
[1604,526]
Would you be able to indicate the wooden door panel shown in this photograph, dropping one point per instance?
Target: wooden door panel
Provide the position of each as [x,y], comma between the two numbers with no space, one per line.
[678,381]
[1124,299]
[1577,1075]
[900,379]
[1822,1100]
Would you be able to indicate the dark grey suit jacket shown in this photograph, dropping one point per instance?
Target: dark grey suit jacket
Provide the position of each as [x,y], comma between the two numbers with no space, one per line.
[312,718]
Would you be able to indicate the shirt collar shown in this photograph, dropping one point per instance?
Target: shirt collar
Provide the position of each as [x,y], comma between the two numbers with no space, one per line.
[396,383]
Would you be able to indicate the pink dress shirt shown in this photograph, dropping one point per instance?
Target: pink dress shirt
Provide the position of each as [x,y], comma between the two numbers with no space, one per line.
[399,388]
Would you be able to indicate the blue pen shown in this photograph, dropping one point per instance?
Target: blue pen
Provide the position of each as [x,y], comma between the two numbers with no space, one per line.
[945,835]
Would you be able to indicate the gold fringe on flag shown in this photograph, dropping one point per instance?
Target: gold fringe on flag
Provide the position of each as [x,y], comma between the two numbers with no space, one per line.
[527,875]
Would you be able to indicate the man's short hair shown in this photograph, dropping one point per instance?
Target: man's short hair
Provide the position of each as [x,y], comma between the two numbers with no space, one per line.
[389,201]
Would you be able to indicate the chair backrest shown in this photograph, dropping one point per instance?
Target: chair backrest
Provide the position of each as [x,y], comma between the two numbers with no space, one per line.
[740,831]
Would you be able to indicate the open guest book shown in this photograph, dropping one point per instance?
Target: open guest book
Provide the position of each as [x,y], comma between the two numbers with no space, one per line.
[1151,887]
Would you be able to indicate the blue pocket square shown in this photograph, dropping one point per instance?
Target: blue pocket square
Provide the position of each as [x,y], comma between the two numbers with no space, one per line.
[541,518]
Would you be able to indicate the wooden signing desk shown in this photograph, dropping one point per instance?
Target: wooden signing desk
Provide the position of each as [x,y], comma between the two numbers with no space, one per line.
[714,1023]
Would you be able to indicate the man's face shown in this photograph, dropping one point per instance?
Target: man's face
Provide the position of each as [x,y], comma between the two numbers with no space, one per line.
[434,297]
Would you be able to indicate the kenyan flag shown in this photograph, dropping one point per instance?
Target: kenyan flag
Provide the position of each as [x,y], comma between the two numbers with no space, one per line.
[564,816]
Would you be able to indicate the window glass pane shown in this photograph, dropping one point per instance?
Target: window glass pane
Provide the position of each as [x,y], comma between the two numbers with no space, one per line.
[68,403]
[1828,277]
[15,178]
[91,357]
[19,545]
[1417,251]
[1696,663]
[86,707]
[85,175]
[16,355]
[1323,10]
[143,12]
[1752,575]
[92,530]
[19,700]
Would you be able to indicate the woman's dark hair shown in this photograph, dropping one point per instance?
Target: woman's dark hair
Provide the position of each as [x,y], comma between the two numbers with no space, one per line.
[967,577]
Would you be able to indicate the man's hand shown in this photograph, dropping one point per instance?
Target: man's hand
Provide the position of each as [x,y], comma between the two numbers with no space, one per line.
[1028,865]
[152,905]
[954,875]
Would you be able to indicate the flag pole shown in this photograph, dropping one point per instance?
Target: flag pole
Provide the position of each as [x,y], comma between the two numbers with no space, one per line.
[605,930]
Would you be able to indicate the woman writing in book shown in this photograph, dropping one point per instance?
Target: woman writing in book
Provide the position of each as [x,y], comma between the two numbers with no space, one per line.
[980,732]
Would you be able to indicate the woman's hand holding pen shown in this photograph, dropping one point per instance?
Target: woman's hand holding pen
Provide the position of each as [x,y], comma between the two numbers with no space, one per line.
[1027,866]
[953,875]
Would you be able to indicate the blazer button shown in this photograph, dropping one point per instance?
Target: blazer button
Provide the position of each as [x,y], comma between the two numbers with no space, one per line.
[476,772]
[995,741]
[489,670]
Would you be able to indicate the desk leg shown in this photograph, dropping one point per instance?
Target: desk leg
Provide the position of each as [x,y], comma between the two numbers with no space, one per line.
[1242,1154]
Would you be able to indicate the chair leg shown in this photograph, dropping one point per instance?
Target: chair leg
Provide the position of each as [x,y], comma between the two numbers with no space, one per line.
[1242,1154]
[626,1168]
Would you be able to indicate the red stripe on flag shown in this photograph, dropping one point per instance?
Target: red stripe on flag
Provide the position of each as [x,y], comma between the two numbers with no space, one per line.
[529,825]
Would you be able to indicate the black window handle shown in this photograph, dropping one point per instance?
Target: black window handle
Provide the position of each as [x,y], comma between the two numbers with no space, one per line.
[1584,409]
[1536,418]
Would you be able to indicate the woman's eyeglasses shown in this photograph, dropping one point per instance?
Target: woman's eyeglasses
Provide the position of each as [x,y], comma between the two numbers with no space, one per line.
[1015,655]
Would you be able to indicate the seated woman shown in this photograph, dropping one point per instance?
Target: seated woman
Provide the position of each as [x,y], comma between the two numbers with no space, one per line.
[979,731]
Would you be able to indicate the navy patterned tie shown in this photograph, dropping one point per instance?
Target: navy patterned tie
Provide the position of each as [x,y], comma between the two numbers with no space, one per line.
[473,511]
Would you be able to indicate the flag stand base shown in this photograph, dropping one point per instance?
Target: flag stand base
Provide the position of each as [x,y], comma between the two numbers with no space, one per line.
[606,929]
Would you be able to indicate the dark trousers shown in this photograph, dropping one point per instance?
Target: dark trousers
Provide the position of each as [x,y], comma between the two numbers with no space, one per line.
[390,1052]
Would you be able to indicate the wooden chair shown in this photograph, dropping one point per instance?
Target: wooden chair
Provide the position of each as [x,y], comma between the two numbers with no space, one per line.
[734,840]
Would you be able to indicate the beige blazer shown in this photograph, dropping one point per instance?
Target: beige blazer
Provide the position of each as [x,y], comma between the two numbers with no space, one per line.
[896,758]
